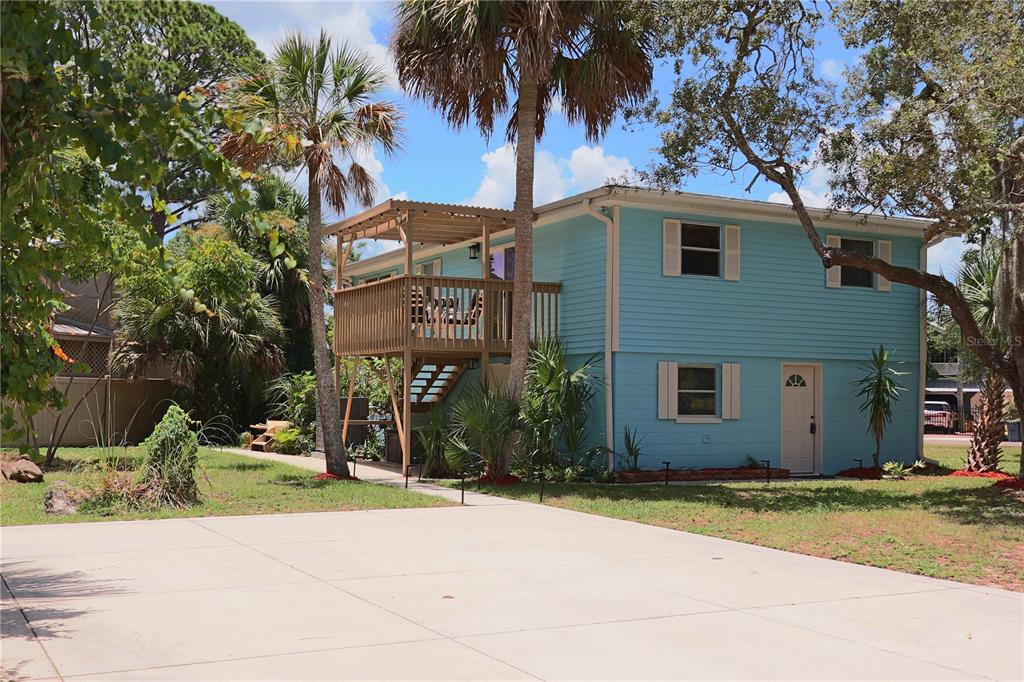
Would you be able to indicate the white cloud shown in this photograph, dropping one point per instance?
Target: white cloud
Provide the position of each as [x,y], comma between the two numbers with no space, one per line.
[590,167]
[349,22]
[554,177]
[944,258]
[832,69]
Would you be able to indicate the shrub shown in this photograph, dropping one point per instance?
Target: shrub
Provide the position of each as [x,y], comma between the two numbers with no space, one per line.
[293,441]
[172,456]
[555,407]
[293,398]
[431,435]
[483,422]
[899,470]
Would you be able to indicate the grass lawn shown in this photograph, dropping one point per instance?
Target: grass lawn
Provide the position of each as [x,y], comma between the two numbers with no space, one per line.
[953,456]
[955,528]
[232,484]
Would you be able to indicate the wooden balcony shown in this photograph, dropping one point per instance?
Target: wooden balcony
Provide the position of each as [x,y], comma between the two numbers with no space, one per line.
[436,316]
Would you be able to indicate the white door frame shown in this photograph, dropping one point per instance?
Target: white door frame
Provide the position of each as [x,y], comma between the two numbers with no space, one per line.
[819,417]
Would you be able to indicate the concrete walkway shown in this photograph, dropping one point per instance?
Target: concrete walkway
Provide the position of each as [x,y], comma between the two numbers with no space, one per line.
[500,591]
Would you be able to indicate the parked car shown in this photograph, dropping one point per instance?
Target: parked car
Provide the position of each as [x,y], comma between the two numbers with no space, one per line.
[939,415]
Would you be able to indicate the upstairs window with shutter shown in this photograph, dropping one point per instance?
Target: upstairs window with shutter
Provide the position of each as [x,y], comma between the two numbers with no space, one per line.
[701,250]
[846,276]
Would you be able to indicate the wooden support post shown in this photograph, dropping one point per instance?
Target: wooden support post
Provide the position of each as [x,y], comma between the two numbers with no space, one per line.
[348,403]
[485,274]
[399,421]
[406,410]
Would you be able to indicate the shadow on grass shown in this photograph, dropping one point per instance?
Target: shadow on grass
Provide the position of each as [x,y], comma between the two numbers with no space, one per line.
[241,466]
[975,505]
[301,482]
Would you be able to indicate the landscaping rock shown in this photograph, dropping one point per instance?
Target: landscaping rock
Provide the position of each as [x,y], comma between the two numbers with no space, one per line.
[22,470]
[63,499]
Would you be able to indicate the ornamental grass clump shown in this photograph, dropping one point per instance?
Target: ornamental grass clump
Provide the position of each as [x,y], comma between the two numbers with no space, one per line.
[172,457]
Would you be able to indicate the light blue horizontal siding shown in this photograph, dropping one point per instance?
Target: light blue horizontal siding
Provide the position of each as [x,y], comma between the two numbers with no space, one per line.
[780,310]
[780,306]
[758,432]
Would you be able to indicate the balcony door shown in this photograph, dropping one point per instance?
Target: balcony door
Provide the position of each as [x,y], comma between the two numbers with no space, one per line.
[503,263]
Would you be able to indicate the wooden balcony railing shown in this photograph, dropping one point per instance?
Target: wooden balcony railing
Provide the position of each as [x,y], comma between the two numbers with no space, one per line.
[445,315]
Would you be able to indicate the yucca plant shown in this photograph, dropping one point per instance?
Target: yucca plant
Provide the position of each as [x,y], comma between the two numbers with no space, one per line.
[879,391]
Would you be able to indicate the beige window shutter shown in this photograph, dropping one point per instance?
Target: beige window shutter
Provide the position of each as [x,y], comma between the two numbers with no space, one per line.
[668,406]
[671,248]
[834,275]
[731,390]
[884,253]
[732,253]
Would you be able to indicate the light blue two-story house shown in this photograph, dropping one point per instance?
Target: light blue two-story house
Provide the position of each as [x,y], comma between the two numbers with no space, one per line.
[719,335]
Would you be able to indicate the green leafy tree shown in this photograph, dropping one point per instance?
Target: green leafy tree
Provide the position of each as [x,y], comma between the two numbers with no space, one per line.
[173,47]
[928,123]
[879,391]
[212,348]
[311,103]
[482,60]
[74,161]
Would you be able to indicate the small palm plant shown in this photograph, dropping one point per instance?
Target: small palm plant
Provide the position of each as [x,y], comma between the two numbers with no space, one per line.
[879,392]
[484,422]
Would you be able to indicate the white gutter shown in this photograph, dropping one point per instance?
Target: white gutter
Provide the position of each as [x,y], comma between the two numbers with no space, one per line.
[610,288]
[922,353]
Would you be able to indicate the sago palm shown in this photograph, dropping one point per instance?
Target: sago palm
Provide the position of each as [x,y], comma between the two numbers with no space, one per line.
[879,392]
[478,60]
[316,107]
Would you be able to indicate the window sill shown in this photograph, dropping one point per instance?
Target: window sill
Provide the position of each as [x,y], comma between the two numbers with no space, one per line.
[698,420]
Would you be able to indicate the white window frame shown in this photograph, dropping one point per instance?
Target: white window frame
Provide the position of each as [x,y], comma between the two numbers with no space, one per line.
[700,249]
[431,263]
[699,418]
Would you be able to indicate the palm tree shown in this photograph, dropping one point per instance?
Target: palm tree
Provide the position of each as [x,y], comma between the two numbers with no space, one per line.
[978,279]
[316,103]
[879,391]
[465,57]
[285,210]
[211,344]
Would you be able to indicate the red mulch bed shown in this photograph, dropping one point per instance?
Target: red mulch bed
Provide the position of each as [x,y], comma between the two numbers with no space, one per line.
[507,479]
[870,473]
[998,475]
[710,474]
[327,476]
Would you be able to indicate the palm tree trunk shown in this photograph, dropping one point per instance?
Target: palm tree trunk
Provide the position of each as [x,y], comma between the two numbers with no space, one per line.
[326,395]
[522,291]
[987,430]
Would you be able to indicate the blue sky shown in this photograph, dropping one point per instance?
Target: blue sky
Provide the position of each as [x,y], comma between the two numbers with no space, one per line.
[445,165]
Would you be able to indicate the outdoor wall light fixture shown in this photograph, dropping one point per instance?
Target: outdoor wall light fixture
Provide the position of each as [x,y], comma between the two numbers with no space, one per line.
[474,251]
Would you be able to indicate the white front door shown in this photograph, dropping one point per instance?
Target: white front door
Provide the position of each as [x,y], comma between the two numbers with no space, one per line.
[799,421]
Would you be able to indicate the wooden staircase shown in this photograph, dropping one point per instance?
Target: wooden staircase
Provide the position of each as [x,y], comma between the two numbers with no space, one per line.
[432,380]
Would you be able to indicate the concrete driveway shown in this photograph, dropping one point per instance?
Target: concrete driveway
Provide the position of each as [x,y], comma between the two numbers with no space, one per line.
[498,592]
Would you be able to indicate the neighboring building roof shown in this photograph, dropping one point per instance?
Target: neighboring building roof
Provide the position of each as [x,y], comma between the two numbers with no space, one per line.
[382,216]
[68,328]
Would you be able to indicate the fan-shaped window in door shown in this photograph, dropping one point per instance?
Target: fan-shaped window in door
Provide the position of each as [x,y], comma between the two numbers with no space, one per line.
[796,380]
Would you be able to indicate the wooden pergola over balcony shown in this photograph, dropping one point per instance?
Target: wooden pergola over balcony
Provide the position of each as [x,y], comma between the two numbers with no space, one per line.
[428,319]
